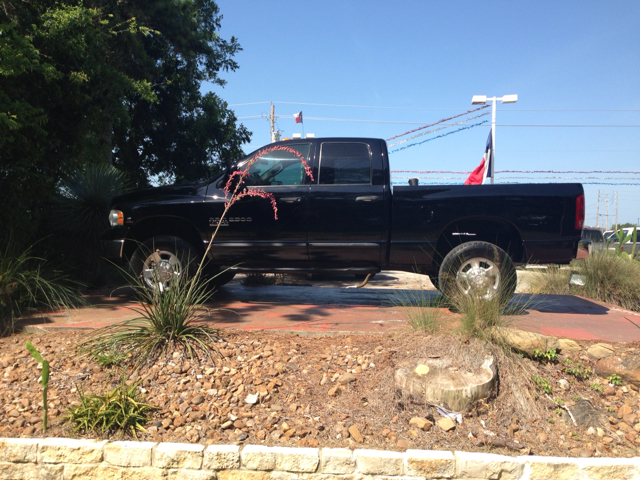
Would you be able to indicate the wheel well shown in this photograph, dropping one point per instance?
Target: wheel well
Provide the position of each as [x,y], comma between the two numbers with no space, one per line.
[157,226]
[495,231]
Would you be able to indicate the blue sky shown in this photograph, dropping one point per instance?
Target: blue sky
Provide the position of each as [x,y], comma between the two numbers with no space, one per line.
[379,69]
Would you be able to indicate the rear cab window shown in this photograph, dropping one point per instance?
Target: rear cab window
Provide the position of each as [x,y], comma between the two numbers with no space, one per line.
[344,163]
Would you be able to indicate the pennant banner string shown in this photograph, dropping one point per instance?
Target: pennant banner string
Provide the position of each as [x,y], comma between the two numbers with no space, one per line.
[438,122]
[438,129]
[519,171]
[439,136]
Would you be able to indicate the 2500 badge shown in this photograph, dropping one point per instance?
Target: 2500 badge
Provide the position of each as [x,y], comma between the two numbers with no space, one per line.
[213,222]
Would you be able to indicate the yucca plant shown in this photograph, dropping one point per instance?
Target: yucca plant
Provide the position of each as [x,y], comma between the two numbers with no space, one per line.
[167,320]
[80,215]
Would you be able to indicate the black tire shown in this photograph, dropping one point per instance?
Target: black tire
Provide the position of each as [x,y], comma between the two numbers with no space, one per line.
[221,278]
[158,259]
[434,281]
[480,269]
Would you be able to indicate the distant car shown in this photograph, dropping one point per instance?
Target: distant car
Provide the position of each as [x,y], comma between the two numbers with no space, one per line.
[608,234]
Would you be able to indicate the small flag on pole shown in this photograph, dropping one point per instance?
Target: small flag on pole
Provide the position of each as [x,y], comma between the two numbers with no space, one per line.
[485,169]
[298,117]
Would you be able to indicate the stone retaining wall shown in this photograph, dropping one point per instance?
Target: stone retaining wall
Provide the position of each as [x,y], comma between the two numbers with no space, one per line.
[62,458]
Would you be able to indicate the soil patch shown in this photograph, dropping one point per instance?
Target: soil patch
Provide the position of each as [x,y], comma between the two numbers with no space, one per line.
[332,391]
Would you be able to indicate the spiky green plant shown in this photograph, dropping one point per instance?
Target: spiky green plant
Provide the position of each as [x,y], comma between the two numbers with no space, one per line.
[45,382]
[167,320]
[80,215]
[119,409]
[27,282]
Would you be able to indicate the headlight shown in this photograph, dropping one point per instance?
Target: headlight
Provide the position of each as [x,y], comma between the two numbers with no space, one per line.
[116,218]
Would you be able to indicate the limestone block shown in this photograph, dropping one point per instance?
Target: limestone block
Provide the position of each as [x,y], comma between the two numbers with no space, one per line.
[19,450]
[556,468]
[69,450]
[487,466]
[30,471]
[608,468]
[296,459]
[243,475]
[182,474]
[144,473]
[222,457]
[178,455]
[337,460]
[600,350]
[93,472]
[527,342]
[379,462]
[129,454]
[430,463]
[568,346]
[257,457]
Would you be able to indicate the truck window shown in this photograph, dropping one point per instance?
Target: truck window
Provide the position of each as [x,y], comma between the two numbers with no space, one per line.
[345,164]
[279,167]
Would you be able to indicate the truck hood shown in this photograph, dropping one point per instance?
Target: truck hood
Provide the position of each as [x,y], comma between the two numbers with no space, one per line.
[164,193]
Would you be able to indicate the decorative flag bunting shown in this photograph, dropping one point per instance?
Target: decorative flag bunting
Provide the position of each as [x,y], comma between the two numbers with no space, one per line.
[485,169]
[439,136]
[298,117]
[438,129]
[438,122]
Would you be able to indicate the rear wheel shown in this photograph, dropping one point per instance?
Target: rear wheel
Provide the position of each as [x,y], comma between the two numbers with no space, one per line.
[160,260]
[478,269]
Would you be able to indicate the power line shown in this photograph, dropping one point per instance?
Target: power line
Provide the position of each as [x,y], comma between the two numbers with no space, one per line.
[323,119]
[433,108]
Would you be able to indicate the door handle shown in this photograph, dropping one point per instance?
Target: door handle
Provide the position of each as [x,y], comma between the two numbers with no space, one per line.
[371,198]
[290,199]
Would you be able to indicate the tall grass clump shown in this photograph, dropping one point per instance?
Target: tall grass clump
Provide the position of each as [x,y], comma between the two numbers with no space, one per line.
[608,278]
[422,310]
[27,283]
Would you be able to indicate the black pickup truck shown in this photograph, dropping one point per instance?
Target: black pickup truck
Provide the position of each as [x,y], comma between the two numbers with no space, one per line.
[347,217]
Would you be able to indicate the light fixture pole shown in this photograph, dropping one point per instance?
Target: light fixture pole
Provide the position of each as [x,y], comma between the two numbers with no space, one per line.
[481,100]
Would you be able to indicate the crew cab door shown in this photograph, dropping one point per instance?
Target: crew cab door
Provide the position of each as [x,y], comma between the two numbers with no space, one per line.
[348,213]
[250,234]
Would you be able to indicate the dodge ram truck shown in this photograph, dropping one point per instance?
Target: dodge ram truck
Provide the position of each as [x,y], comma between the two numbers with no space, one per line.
[344,216]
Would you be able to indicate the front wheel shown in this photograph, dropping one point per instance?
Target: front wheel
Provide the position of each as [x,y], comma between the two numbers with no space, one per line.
[478,269]
[161,260]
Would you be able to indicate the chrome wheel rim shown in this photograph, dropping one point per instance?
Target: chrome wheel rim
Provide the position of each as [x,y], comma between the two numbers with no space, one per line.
[159,270]
[479,277]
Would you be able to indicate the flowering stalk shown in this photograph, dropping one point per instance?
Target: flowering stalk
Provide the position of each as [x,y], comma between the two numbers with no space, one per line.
[230,197]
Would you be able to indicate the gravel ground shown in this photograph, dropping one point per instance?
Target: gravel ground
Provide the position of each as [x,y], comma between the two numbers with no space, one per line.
[328,391]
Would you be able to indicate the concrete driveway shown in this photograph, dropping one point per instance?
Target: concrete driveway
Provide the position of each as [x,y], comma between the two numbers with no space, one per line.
[331,305]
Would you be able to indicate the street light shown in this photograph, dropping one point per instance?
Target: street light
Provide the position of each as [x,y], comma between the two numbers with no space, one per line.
[481,100]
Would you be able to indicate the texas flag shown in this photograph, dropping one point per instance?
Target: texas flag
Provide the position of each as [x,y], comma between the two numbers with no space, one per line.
[485,169]
[298,117]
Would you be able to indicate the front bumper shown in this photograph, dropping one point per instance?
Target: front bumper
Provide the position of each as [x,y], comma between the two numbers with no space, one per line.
[112,243]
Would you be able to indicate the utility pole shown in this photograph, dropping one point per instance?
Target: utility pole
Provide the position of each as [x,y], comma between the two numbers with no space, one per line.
[616,211]
[598,210]
[272,123]
[606,204]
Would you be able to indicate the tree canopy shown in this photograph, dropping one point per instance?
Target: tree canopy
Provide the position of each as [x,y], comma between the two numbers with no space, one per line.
[110,81]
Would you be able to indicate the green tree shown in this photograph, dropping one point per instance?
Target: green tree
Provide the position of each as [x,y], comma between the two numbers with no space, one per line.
[107,81]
